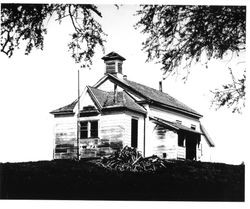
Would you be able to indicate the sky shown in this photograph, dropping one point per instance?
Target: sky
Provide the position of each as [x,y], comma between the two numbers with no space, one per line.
[32,86]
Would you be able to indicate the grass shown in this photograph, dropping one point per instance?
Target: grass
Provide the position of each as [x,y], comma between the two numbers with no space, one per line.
[66,179]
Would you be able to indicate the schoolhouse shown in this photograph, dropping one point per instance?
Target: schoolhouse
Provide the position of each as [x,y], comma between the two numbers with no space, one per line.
[116,112]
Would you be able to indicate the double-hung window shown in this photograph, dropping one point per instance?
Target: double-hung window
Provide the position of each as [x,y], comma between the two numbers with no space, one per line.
[88,129]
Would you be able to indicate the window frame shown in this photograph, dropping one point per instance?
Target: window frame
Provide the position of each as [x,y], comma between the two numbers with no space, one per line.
[134,130]
[89,129]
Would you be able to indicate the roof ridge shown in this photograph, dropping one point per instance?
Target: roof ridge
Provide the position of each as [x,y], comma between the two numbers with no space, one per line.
[157,96]
[161,92]
[145,86]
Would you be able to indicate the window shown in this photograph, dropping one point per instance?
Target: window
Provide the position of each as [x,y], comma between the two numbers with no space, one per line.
[110,67]
[94,129]
[193,126]
[120,67]
[134,132]
[84,130]
[88,129]
[60,150]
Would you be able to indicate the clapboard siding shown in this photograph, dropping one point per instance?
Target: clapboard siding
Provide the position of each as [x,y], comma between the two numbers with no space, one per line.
[112,128]
[127,136]
[163,142]
[65,137]
[181,152]
[204,151]
[94,148]
[114,133]
[110,136]
[118,126]
[172,116]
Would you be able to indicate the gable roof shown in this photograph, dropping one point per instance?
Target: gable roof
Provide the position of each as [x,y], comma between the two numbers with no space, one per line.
[153,95]
[106,100]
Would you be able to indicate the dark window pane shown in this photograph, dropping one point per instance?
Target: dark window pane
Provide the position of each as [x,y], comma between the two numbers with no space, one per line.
[119,67]
[84,130]
[61,150]
[134,133]
[94,129]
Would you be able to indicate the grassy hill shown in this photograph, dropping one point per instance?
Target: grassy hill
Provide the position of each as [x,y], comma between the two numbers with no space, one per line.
[66,179]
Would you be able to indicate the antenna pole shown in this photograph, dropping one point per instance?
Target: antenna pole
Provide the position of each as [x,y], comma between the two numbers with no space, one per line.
[78,115]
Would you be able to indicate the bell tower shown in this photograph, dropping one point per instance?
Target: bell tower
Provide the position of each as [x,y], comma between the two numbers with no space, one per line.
[113,64]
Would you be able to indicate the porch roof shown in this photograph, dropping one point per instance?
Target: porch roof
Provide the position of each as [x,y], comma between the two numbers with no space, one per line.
[173,125]
[176,126]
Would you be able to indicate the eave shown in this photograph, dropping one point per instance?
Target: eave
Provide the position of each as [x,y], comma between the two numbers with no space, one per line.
[121,108]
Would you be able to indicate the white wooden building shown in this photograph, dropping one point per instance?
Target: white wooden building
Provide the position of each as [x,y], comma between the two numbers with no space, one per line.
[116,112]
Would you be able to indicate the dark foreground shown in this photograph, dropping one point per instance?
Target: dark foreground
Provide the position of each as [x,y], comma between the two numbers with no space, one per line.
[65,179]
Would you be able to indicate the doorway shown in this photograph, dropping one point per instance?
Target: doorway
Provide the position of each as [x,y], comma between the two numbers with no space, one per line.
[191,144]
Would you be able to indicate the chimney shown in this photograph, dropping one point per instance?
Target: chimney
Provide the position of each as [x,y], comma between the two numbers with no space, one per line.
[125,77]
[160,86]
[113,64]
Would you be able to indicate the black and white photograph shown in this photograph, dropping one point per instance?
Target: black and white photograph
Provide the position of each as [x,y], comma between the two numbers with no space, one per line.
[136,102]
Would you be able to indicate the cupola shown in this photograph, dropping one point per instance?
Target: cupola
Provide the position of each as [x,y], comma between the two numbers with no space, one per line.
[113,64]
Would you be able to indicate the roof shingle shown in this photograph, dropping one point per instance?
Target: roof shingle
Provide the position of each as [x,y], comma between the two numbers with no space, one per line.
[65,109]
[156,95]
[106,100]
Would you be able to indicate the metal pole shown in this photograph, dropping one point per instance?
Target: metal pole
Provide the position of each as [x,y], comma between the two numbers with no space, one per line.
[78,115]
